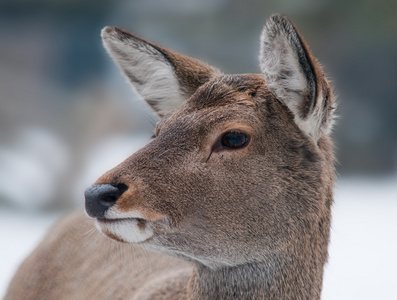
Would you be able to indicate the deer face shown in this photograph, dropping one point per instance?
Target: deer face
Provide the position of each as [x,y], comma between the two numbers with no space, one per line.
[236,165]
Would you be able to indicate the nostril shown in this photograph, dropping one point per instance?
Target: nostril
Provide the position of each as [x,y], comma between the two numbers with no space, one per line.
[122,188]
[109,196]
[99,197]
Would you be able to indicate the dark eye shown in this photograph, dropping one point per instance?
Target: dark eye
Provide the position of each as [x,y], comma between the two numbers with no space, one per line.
[235,140]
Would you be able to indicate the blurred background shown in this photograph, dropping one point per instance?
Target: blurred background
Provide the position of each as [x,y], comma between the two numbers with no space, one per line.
[67,114]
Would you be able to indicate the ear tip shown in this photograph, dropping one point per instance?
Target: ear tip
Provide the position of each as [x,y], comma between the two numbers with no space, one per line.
[278,23]
[110,32]
[107,32]
[279,18]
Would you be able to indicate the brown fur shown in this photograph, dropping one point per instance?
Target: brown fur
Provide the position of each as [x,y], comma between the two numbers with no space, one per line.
[249,223]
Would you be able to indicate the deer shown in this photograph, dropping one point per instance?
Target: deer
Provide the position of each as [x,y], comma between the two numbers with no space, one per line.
[230,199]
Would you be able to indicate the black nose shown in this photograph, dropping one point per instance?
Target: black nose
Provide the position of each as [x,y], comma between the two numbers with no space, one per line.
[99,197]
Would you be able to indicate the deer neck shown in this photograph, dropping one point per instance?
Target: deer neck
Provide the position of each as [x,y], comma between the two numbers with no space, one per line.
[297,275]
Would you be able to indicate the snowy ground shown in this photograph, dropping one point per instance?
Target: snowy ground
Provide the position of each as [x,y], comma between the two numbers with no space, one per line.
[363,251]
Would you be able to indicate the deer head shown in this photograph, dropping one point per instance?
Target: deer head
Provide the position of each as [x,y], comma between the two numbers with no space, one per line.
[240,168]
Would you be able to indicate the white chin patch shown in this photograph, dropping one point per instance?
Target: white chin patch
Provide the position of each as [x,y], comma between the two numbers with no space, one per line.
[130,230]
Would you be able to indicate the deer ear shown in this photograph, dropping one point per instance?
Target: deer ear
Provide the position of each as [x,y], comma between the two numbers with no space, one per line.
[295,77]
[163,78]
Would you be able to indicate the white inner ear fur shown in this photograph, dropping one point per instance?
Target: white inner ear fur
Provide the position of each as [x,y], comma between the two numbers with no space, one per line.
[313,125]
[284,77]
[150,73]
[282,72]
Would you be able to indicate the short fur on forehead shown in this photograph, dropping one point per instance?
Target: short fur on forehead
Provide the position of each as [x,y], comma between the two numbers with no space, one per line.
[222,90]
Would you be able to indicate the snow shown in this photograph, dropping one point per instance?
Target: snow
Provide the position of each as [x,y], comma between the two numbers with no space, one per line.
[363,250]
[36,160]
[362,263]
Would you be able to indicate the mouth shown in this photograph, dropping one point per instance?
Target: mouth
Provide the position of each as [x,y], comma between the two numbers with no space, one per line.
[140,221]
[129,230]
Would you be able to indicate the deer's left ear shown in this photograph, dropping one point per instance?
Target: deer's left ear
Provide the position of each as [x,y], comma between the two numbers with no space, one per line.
[295,77]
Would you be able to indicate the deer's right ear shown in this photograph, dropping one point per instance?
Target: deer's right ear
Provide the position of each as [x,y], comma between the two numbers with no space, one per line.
[162,77]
